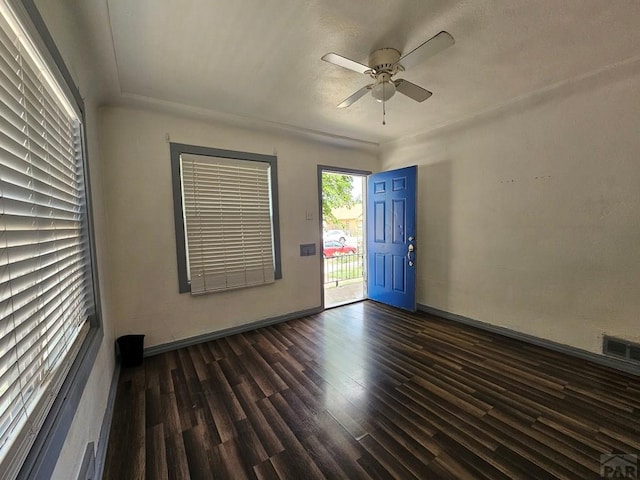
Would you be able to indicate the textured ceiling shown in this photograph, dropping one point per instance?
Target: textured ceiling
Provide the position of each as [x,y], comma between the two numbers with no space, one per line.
[260,59]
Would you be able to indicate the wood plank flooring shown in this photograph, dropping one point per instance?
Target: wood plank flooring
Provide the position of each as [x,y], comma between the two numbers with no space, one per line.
[365,391]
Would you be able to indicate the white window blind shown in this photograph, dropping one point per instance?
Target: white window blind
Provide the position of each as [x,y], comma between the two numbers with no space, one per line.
[229,233]
[43,256]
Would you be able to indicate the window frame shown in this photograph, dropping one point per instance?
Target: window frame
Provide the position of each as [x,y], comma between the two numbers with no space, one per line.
[44,453]
[176,150]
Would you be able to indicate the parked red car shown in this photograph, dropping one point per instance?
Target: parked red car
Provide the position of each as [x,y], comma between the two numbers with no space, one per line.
[332,248]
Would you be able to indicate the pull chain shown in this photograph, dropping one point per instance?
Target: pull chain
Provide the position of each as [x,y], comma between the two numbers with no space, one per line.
[384,112]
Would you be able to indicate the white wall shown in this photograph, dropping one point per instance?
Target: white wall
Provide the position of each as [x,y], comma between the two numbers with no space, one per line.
[529,215]
[141,236]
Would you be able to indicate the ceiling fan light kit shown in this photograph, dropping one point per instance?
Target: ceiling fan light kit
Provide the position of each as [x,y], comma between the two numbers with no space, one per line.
[384,89]
[384,63]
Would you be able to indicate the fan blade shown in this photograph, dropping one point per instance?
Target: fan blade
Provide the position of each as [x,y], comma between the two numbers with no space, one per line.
[344,62]
[355,97]
[428,49]
[412,90]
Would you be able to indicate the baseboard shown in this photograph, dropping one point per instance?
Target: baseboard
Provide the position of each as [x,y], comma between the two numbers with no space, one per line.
[105,429]
[541,342]
[187,342]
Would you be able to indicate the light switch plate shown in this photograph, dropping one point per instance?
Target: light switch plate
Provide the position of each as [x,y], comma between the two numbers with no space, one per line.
[307,249]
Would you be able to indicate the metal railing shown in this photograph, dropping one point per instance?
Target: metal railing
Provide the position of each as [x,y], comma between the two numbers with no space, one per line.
[343,267]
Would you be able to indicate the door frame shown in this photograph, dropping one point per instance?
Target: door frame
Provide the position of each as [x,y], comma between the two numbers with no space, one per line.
[346,171]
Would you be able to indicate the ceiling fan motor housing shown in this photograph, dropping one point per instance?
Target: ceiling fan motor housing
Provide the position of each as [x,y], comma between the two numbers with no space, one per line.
[384,60]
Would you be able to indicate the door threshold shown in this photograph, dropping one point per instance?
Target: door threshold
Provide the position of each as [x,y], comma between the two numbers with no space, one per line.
[347,302]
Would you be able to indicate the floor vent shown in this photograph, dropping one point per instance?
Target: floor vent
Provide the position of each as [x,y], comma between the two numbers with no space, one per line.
[621,349]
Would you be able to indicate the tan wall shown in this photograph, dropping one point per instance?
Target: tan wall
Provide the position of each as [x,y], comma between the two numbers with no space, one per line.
[141,236]
[528,216]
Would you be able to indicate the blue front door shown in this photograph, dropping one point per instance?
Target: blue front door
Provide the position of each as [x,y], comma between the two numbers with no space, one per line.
[391,233]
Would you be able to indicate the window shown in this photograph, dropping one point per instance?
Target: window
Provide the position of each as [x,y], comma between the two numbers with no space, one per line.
[46,297]
[226,213]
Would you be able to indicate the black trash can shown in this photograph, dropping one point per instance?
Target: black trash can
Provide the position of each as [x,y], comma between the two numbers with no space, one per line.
[131,347]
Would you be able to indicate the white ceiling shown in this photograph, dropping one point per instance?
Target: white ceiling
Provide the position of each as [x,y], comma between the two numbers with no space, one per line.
[260,59]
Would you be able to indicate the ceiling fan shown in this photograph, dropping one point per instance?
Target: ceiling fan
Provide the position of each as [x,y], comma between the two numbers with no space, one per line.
[385,63]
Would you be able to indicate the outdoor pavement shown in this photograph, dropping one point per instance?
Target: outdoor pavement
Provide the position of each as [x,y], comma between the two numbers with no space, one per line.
[346,292]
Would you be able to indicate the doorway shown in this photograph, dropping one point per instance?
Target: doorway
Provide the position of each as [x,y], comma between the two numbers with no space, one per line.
[343,230]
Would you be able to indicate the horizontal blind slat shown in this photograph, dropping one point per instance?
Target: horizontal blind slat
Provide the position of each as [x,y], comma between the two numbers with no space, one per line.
[228,223]
[43,255]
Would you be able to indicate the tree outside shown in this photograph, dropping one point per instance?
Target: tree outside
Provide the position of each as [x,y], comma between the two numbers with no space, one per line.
[337,191]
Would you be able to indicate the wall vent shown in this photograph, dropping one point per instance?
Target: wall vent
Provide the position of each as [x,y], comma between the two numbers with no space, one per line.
[621,349]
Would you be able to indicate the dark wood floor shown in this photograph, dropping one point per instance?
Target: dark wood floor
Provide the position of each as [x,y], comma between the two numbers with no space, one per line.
[365,391]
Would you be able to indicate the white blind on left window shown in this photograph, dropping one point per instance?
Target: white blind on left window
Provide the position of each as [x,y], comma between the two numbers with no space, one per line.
[43,255]
[229,234]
